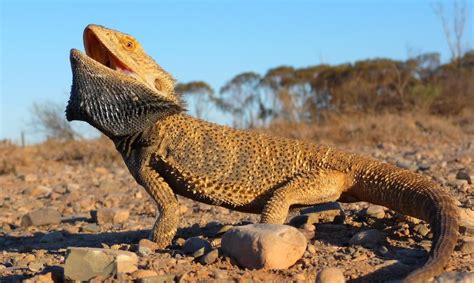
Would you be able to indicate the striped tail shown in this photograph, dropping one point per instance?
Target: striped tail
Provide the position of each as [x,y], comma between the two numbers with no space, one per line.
[414,195]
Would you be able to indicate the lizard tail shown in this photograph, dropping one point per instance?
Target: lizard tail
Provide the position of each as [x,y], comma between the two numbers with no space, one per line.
[417,196]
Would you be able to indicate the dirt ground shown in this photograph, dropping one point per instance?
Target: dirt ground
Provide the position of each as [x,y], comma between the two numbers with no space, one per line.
[77,178]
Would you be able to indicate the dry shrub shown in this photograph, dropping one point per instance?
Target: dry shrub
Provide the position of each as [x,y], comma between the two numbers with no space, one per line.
[97,152]
[35,158]
[7,164]
[457,93]
[370,129]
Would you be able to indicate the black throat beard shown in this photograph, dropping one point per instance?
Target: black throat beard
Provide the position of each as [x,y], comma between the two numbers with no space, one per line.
[114,106]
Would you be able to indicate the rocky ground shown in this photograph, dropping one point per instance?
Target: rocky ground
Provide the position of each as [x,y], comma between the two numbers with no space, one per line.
[55,199]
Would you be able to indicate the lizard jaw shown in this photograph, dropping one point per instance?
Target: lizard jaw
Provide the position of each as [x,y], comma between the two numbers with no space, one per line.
[96,50]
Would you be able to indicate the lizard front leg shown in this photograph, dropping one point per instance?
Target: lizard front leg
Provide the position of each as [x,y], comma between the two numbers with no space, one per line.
[306,189]
[167,222]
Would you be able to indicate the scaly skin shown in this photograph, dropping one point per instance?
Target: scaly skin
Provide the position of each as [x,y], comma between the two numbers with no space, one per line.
[125,52]
[170,153]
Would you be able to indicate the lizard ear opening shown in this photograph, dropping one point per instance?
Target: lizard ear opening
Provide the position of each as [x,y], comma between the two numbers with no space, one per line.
[158,85]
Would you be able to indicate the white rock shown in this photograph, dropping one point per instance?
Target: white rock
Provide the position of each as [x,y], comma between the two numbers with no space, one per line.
[330,275]
[86,263]
[264,245]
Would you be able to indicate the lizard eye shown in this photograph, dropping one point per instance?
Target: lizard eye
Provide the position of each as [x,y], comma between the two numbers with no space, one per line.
[128,44]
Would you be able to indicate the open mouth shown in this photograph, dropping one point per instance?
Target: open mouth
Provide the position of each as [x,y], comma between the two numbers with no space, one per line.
[99,52]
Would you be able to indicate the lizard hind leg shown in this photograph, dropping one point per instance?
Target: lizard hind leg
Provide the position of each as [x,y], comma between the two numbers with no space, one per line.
[307,189]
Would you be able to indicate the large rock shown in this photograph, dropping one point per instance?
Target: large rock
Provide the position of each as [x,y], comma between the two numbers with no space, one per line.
[86,263]
[264,245]
[43,216]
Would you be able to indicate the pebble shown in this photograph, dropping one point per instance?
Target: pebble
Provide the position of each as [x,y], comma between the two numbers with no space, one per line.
[199,253]
[143,273]
[219,274]
[29,178]
[194,244]
[311,249]
[144,251]
[466,221]
[43,278]
[35,266]
[110,215]
[421,229]
[463,175]
[326,212]
[165,278]
[38,191]
[407,165]
[457,183]
[424,166]
[406,218]
[86,263]
[308,234]
[270,246]
[308,227]
[180,242]
[368,237]
[90,227]
[43,216]
[375,211]
[330,275]
[455,277]
[467,247]
[224,229]
[147,243]
[210,257]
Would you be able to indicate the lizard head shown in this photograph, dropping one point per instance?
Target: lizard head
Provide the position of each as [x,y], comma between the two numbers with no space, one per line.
[109,91]
[123,53]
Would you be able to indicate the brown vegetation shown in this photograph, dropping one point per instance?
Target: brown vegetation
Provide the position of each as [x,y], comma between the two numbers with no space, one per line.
[286,95]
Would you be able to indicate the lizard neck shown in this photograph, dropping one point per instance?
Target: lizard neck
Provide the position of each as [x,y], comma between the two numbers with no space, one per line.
[116,106]
[128,143]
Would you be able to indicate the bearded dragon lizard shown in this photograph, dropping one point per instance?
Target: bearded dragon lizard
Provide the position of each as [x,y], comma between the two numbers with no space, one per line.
[121,91]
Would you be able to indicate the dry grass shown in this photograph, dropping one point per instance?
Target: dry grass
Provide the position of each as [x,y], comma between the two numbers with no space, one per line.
[97,152]
[355,129]
[401,129]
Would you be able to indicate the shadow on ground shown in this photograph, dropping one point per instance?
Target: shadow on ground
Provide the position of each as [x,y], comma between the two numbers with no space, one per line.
[29,243]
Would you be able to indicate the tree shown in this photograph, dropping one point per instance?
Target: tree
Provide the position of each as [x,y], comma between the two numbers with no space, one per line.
[454,32]
[241,97]
[48,118]
[198,95]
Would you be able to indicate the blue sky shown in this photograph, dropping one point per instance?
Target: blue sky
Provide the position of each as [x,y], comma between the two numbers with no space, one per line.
[203,40]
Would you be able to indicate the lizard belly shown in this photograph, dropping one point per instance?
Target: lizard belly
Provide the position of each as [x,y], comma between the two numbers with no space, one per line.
[241,196]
